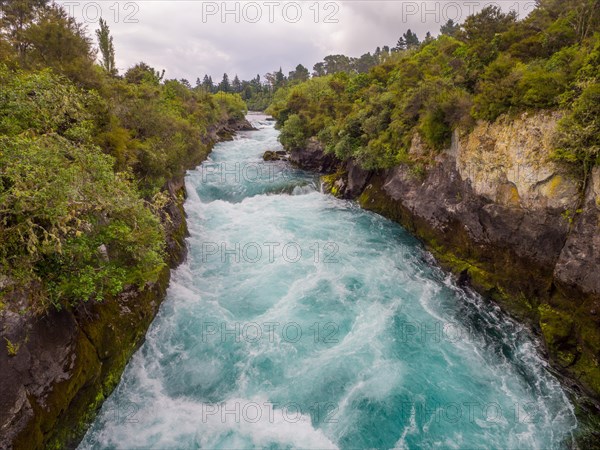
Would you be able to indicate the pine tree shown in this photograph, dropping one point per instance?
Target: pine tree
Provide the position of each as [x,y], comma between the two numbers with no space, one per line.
[400,45]
[236,85]
[225,86]
[411,39]
[279,78]
[207,84]
[450,28]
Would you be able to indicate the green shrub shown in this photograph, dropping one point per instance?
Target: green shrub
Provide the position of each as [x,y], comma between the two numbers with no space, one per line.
[495,90]
[232,105]
[435,130]
[40,102]
[579,131]
[293,132]
[68,221]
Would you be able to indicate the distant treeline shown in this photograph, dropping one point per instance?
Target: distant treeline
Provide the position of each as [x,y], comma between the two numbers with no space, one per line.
[258,93]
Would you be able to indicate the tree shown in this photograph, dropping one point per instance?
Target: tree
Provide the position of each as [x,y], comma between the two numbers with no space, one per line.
[366,61]
[319,69]
[107,49]
[337,63]
[411,39]
[485,25]
[279,78]
[400,45]
[236,85]
[143,73]
[300,74]
[56,40]
[207,84]
[450,28]
[585,18]
[579,132]
[15,17]
[255,82]
[225,86]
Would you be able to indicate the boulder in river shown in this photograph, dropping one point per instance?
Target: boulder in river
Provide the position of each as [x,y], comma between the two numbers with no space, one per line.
[313,157]
[271,155]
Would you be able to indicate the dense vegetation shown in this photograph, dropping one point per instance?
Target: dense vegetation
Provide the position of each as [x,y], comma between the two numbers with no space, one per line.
[490,65]
[85,156]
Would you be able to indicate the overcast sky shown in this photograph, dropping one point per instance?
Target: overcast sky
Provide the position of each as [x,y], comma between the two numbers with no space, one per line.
[190,38]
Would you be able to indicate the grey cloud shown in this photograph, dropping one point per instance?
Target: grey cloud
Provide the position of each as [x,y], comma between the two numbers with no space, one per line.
[174,36]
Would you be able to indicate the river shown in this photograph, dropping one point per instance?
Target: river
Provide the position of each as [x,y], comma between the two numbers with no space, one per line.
[302,321]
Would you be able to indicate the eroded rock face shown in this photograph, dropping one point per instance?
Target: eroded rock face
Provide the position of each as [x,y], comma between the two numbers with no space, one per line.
[474,228]
[579,264]
[66,362]
[312,157]
[357,179]
[508,162]
[501,213]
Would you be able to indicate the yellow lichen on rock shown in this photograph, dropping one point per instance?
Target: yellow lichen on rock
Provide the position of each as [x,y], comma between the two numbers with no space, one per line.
[510,162]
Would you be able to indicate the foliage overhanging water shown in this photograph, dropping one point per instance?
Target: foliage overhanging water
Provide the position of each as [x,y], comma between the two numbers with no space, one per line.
[300,320]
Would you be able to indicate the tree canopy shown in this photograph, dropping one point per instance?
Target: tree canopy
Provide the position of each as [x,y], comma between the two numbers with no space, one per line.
[85,158]
[490,65]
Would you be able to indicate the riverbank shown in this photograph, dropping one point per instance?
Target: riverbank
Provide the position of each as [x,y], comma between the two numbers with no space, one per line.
[497,211]
[67,362]
[303,321]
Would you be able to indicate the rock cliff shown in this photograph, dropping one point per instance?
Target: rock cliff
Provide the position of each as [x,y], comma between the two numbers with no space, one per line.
[500,212]
[65,363]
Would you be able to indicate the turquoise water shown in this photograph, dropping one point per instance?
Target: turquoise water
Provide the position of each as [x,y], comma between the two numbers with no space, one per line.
[302,321]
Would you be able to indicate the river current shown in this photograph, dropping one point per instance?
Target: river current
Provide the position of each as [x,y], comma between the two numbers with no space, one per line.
[302,321]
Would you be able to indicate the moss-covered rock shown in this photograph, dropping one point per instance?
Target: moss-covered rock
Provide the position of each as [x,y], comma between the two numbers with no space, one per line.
[334,183]
[69,361]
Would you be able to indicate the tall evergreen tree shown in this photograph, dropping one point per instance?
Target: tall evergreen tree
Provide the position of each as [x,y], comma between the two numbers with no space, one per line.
[279,78]
[225,86]
[207,84]
[450,28]
[400,45]
[256,82]
[236,84]
[107,49]
[411,39]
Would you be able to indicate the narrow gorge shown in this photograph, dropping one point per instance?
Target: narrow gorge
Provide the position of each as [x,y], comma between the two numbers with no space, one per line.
[331,224]
[344,323]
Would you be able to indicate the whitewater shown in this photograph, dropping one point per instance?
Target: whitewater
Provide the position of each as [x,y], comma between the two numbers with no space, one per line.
[302,321]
